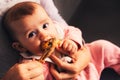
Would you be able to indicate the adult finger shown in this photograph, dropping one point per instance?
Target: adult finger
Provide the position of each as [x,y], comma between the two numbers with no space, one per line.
[32,64]
[40,77]
[61,75]
[33,69]
[61,64]
[78,61]
[36,72]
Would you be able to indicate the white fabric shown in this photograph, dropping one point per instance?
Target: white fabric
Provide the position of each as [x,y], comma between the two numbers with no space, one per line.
[48,5]
[59,31]
[6,4]
[52,11]
[65,58]
[35,57]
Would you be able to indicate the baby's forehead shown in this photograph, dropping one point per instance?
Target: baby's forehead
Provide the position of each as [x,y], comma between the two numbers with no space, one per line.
[36,5]
[36,9]
[21,10]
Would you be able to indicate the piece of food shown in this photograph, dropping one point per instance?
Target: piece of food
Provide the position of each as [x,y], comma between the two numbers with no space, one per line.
[48,47]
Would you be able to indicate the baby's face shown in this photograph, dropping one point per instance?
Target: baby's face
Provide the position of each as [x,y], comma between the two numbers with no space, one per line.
[31,30]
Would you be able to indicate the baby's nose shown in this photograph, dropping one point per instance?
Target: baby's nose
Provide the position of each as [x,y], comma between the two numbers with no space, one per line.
[43,36]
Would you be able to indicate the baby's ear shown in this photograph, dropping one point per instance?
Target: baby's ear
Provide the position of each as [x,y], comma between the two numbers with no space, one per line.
[18,46]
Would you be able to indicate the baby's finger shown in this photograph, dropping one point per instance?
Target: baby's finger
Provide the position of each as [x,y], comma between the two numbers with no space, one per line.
[64,45]
[73,50]
[61,50]
[69,47]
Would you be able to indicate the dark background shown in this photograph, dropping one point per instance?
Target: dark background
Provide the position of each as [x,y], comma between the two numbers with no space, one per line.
[98,19]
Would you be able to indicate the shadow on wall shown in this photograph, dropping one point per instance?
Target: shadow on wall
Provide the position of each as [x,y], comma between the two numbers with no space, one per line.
[67,7]
[98,19]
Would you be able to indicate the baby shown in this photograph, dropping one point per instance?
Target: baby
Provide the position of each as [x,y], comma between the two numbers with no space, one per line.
[29,26]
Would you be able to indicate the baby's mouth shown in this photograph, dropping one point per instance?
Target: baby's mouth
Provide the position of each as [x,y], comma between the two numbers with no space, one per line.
[46,45]
[47,48]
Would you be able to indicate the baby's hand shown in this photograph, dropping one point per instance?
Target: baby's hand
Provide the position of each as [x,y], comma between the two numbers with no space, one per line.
[69,46]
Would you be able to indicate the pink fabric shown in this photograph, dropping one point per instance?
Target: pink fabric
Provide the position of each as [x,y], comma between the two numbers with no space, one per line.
[103,54]
[46,72]
[71,32]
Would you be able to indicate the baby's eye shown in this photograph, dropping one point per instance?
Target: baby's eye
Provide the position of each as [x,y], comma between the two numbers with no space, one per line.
[45,25]
[33,33]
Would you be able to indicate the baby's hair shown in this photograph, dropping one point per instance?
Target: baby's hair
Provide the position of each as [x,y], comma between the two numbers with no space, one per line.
[16,12]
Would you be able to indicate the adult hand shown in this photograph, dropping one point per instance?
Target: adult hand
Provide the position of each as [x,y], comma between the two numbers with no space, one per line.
[31,70]
[80,61]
